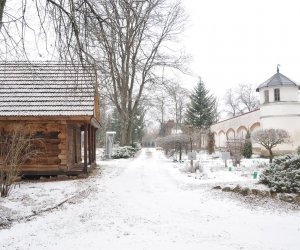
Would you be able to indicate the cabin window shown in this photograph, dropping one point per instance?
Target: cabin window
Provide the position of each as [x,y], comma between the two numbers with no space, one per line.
[40,135]
[53,135]
[277,95]
[266,96]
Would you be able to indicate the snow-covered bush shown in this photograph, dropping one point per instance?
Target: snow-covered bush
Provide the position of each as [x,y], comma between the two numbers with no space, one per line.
[283,175]
[137,145]
[124,152]
[188,168]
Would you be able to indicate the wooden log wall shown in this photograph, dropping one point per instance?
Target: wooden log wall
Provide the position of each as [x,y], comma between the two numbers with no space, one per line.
[50,138]
[62,143]
[74,146]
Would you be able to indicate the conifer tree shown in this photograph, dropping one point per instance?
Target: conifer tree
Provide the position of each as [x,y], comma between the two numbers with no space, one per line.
[247,149]
[202,110]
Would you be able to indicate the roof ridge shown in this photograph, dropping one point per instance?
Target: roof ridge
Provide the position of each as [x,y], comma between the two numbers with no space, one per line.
[278,79]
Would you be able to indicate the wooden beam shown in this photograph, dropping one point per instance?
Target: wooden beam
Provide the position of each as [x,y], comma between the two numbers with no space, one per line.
[95,144]
[92,146]
[38,119]
[95,123]
[85,163]
[89,144]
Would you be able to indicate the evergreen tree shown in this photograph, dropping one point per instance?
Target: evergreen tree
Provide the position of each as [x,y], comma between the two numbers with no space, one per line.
[247,149]
[202,110]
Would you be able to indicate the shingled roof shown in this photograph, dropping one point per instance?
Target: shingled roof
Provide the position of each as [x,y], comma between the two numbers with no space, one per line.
[277,80]
[45,89]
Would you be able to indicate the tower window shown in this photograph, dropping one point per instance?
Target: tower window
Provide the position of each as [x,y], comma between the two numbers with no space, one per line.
[277,95]
[266,92]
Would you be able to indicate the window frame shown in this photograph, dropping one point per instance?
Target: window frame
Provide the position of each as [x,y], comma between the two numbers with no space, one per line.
[277,95]
[266,96]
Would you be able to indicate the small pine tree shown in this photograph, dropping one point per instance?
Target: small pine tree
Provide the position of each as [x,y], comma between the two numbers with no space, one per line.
[201,112]
[247,149]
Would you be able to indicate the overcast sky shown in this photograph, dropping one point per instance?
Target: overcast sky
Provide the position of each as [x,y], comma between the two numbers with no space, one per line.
[242,41]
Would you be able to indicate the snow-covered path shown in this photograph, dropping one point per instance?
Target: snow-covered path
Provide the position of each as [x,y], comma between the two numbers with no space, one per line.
[146,204]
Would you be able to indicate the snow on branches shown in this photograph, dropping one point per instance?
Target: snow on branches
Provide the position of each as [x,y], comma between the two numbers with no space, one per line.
[270,138]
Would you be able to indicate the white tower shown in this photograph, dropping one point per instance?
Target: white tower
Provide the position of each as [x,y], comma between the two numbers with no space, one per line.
[280,107]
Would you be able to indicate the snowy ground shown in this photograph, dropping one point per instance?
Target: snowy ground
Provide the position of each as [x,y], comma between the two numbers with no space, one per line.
[213,170]
[145,203]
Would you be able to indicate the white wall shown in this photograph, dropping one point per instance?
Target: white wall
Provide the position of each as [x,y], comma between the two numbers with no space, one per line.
[235,127]
[284,114]
[289,93]
[247,120]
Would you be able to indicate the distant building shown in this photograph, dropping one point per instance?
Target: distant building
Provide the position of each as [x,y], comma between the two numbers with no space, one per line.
[279,109]
[169,126]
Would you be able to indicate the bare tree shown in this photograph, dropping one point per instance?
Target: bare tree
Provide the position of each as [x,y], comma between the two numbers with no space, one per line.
[179,97]
[133,42]
[247,97]
[235,147]
[160,104]
[59,26]
[176,142]
[16,147]
[2,5]
[241,99]
[270,138]
[232,105]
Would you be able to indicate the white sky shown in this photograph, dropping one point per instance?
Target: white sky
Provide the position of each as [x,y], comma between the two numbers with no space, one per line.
[240,41]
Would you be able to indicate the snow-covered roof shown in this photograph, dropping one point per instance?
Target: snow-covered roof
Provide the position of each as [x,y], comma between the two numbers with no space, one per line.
[45,89]
[277,80]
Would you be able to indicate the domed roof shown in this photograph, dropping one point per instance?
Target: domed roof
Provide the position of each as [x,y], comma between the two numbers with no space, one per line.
[277,80]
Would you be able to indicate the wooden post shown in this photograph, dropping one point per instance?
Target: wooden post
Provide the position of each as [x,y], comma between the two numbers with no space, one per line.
[95,144]
[85,164]
[93,140]
[89,142]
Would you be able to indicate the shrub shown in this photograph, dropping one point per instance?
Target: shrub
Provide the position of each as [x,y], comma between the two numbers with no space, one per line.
[247,148]
[298,150]
[124,152]
[137,145]
[188,168]
[235,147]
[283,175]
[16,147]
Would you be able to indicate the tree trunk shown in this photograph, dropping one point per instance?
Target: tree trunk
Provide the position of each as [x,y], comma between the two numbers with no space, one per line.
[2,5]
[129,132]
[271,156]
[180,152]
[191,143]
[123,131]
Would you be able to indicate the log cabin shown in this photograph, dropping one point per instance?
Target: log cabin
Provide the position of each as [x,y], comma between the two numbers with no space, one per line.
[57,102]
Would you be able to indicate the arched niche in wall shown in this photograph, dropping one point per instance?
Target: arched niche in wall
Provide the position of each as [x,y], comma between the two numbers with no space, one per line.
[216,139]
[222,139]
[230,134]
[241,132]
[254,127]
